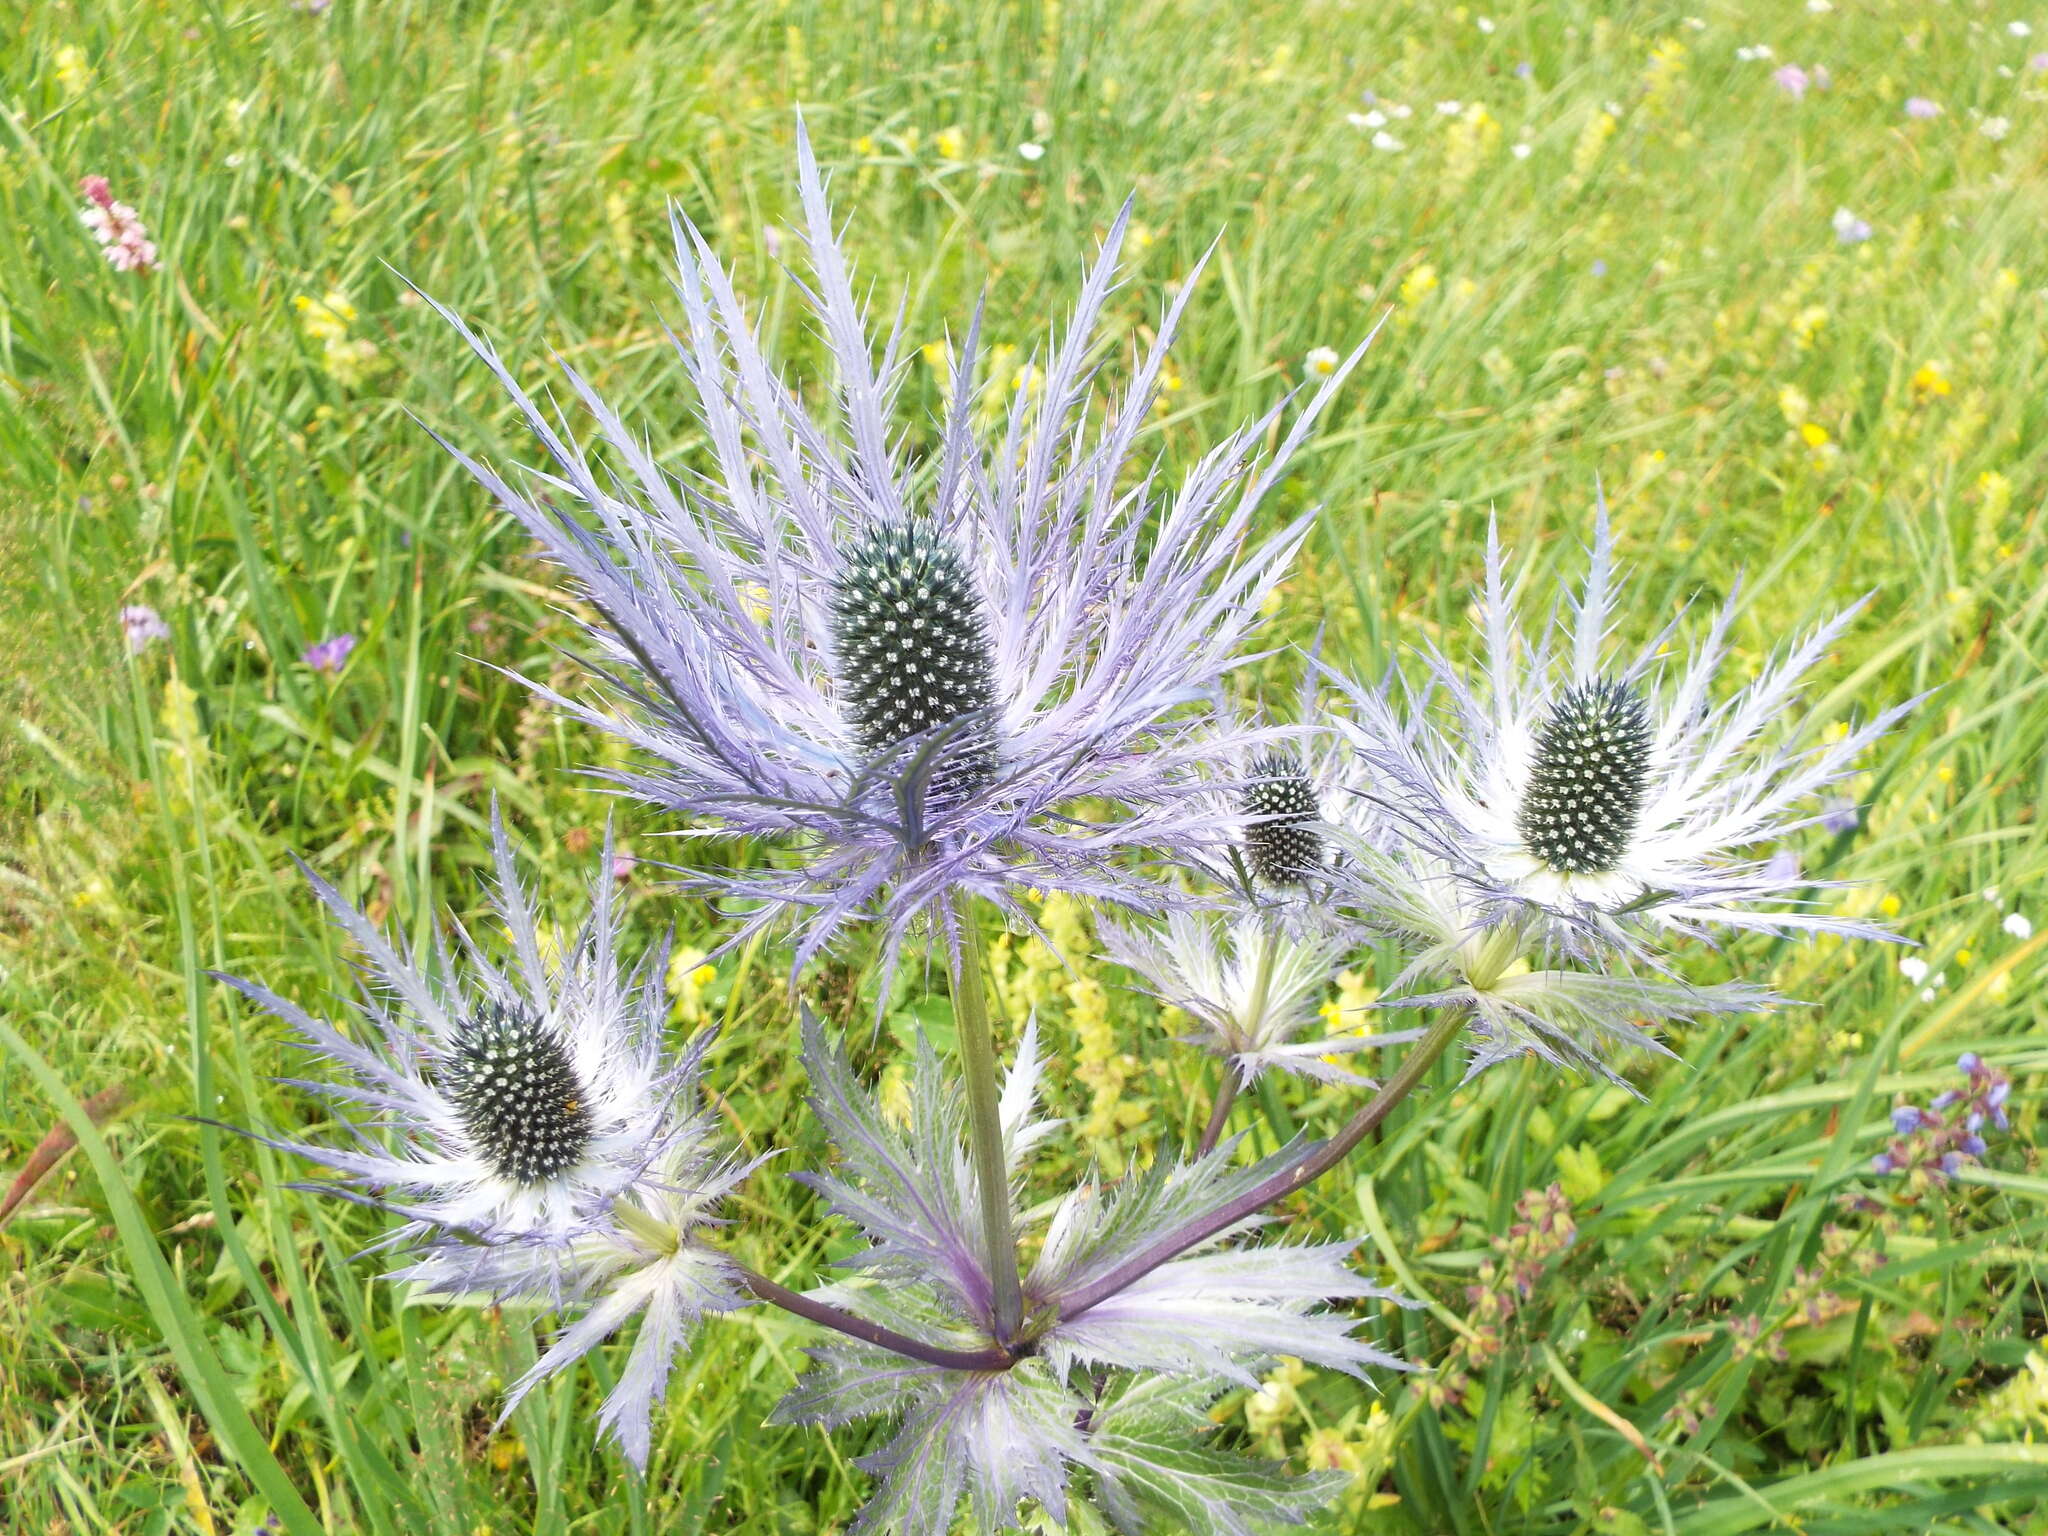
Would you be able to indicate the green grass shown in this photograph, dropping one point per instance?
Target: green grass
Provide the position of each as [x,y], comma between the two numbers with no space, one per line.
[186,1345]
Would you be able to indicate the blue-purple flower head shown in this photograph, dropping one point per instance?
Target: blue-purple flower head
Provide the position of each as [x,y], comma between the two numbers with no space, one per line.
[908,669]
[1614,795]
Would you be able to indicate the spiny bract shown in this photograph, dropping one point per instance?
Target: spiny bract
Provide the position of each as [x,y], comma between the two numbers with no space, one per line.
[913,649]
[1586,784]
[1283,845]
[521,1101]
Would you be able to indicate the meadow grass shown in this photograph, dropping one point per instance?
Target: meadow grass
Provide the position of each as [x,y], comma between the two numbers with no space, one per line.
[1751,1328]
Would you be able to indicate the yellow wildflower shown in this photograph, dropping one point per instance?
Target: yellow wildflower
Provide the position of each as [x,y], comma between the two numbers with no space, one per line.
[1930,382]
[74,70]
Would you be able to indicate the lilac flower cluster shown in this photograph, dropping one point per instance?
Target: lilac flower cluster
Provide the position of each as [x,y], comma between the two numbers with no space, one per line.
[924,690]
[1931,1145]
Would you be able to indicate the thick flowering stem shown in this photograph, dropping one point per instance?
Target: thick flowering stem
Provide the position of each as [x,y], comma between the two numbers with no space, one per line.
[1315,1161]
[855,1327]
[985,1126]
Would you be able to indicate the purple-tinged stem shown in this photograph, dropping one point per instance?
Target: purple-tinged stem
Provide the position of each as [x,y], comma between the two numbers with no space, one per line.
[1316,1161]
[1219,1116]
[829,1316]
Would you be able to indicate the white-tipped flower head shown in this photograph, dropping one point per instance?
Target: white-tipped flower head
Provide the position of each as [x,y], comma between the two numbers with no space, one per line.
[529,1129]
[1611,795]
[911,673]
[510,1102]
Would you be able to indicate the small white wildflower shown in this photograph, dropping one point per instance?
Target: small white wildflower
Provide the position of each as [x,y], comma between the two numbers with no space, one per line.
[1995,128]
[1397,109]
[2017,925]
[1990,894]
[1449,108]
[1819,7]
[1386,141]
[1914,969]
[1753,52]
[1485,24]
[1374,119]
[1031,151]
[1321,361]
[1522,151]
[2019,29]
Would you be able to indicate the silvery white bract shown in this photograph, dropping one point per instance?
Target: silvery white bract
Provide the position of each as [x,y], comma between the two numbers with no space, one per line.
[1251,983]
[644,1257]
[905,666]
[1607,795]
[1079,1409]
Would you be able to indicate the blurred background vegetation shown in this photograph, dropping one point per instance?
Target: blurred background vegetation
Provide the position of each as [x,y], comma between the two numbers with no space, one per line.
[1773,273]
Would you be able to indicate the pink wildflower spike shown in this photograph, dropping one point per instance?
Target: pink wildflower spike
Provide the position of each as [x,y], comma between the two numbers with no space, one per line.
[117,227]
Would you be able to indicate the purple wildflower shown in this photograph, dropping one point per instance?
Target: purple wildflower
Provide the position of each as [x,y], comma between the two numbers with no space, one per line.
[1599,266]
[143,626]
[1792,80]
[913,673]
[1921,108]
[330,655]
[1849,229]
[1840,814]
[1936,1143]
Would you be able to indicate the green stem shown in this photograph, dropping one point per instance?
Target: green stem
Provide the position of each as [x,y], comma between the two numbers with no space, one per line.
[985,1126]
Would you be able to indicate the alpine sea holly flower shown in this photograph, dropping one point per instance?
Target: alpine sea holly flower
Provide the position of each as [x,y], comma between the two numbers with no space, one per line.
[910,670]
[1079,1405]
[1249,986]
[1609,795]
[504,1105]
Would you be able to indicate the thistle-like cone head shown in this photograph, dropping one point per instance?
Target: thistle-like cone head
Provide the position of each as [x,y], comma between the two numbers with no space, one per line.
[1282,845]
[520,1098]
[1586,784]
[910,631]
